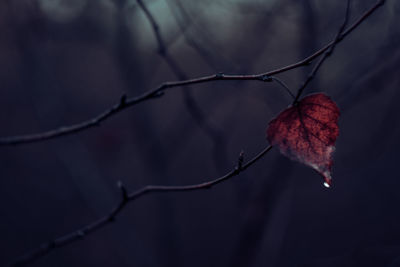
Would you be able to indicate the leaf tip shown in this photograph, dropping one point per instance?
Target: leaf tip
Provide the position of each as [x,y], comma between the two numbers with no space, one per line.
[327,182]
[307,133]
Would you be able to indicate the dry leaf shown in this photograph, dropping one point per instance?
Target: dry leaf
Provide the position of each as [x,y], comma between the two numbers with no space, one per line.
[307,132]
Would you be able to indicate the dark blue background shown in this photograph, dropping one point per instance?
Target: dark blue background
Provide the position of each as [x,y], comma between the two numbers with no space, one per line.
[62,64]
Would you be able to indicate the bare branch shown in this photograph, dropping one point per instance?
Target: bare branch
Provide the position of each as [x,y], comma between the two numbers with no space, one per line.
[156,29]
[281,83]
[79,234]
[183,20]
[339,36]
[125,102]
[157,92]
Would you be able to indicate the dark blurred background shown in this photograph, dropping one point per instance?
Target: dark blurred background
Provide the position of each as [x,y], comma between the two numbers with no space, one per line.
[65,61]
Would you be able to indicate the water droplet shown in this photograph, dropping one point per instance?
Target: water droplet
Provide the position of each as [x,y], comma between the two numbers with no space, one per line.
[327,185]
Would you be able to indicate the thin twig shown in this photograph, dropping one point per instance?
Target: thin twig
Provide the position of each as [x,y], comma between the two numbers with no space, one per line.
[281,83]
[126,198]
[339,36]
[157,92]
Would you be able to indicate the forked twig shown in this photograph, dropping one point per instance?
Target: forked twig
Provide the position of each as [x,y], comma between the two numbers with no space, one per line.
[124,103]
[339,36]
[157,92]
[126,198]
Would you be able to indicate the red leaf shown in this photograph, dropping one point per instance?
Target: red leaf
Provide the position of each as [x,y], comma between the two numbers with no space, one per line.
[307,132]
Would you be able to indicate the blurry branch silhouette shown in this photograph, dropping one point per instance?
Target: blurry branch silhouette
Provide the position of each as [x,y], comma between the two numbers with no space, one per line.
[80,234]
[126,102]
[183,19]
[215,134]
[308,31]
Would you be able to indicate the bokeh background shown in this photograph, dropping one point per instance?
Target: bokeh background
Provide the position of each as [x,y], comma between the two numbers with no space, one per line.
[65,61]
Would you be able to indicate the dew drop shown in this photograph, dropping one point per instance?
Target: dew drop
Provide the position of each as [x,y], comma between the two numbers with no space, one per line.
[327,182]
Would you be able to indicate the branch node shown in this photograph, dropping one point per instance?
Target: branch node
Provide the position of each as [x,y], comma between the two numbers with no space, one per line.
[239,166]
[80,234]
[122,101]
[124,192]
[266,78]
[219,75]
[158,94]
